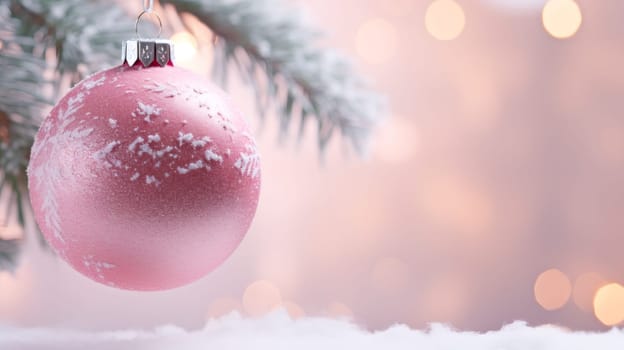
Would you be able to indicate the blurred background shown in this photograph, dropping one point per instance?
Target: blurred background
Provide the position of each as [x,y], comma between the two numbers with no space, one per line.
[492,191]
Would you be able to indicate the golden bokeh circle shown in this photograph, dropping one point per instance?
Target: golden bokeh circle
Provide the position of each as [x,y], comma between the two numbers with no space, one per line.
[609,304]
[552,289]
[562,18]
[445,19]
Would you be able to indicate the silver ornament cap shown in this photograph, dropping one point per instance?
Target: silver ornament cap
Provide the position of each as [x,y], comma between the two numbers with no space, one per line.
[148,51]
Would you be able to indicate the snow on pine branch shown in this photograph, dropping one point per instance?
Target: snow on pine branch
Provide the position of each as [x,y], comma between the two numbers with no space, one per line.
[269,37]
[85,37]
[20,95]
[20,99]
[261,37]
[9,250]
[277,331]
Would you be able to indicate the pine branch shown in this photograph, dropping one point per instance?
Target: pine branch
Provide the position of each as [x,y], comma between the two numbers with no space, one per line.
[20,105]
[84,36]
[29,30]
[273,51]
[9,250]
[275,41]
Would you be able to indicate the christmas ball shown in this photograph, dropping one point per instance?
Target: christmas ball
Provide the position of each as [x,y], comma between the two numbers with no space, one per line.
[144,178]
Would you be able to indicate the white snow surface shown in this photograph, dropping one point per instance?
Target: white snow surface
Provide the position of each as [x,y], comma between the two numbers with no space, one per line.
[277,331]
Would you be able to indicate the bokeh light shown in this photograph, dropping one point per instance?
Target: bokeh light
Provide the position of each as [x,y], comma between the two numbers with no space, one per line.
[260,298]
[445,19]
[185,47]
[609,304]
[376,41]
[585,287]
[552,289]
[562,18]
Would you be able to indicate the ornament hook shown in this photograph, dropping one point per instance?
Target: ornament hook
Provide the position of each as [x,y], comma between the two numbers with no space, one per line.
[148,6]
[149,9]
[147,51]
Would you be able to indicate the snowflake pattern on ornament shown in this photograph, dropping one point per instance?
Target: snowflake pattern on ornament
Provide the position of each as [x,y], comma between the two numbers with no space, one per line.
[248,162]
[64,133]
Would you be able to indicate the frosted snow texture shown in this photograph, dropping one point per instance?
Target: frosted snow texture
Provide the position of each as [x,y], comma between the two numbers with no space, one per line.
[277,332]
[48,176]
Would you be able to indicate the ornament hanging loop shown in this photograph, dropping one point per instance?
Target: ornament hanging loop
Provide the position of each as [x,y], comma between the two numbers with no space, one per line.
[138,20]
[151,51]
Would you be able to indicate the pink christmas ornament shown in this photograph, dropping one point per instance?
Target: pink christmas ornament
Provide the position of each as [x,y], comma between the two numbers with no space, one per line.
[144,178]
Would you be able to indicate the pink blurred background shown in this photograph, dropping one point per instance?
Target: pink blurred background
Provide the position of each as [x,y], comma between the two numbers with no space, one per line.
[492,192]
